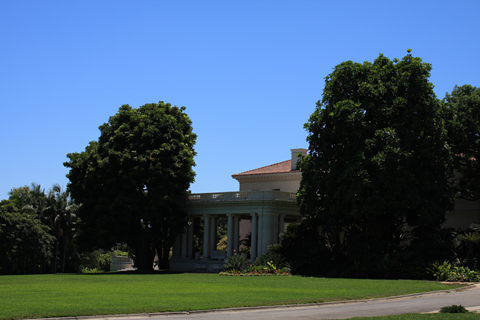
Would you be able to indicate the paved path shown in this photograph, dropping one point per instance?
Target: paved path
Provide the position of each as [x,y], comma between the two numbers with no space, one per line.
[428,302]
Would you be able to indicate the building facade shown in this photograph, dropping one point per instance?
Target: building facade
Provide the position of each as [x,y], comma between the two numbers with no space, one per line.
[264,204]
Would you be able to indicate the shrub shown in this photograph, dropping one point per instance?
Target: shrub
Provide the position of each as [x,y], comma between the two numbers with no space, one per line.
[98,259]
[89,270]
[454,309]
[267,264]
[237,262]
[121,253]
[255,268]
[254,274]
[104,261]
[305,249]
[445,271]
[272,260]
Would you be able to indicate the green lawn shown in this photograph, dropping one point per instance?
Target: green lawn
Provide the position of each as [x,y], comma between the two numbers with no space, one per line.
[35,296]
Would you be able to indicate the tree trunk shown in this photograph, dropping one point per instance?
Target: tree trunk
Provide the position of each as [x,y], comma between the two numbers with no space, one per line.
[65,247]
[165,257]
[163,251]
[143,257]
[56,257]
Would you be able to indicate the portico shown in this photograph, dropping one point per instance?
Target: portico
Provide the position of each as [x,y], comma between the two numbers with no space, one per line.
[265,203]
[267,211]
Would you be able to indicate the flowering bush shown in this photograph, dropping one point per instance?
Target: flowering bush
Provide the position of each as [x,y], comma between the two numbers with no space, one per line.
[260,273]
[445,271]
[265,265]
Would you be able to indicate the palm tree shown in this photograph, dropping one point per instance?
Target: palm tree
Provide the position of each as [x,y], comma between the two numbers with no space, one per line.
[31,199]
[469,239]
[63,211]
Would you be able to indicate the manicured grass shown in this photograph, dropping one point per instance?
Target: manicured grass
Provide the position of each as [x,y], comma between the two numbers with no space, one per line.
[35,296]
[433,316]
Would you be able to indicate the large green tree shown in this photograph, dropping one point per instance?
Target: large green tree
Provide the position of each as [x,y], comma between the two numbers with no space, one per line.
[463,123]
[131,184]
[378,158]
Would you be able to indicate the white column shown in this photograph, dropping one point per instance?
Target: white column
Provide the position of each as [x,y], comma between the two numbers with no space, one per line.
[260,235]
[190,239]
[206,236]
[267,232]
[213,233]
[235,233]
[253,248]
[230,235]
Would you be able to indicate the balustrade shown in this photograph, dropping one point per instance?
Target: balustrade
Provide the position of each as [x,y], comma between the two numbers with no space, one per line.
[244,195]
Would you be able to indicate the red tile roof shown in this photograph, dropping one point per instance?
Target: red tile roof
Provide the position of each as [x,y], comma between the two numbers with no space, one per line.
[281,167]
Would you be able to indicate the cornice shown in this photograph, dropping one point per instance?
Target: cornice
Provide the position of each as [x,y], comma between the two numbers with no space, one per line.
[221,207]
[285,176]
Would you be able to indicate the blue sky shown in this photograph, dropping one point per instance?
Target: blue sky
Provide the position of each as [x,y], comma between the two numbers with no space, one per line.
[248,72]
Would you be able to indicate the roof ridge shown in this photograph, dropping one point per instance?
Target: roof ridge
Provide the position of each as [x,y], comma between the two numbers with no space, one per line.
[264,167]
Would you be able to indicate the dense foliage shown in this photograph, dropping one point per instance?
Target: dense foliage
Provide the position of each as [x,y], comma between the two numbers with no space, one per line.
[462,111]
[446,271]
[270,263]
[25,242]
[376,176]
[36,229]
[132,181]
[304,247]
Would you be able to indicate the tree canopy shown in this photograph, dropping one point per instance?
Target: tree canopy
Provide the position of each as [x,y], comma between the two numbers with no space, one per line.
[35,223]
[132,181]
[378,158]
[25,242]
[463,123]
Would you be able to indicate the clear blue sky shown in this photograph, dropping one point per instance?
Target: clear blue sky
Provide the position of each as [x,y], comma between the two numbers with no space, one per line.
[248,72]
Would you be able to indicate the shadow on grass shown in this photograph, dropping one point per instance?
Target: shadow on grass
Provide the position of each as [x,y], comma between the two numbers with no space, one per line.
[132,272]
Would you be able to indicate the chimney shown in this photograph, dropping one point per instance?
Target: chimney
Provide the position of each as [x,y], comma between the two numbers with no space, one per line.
[295,153]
